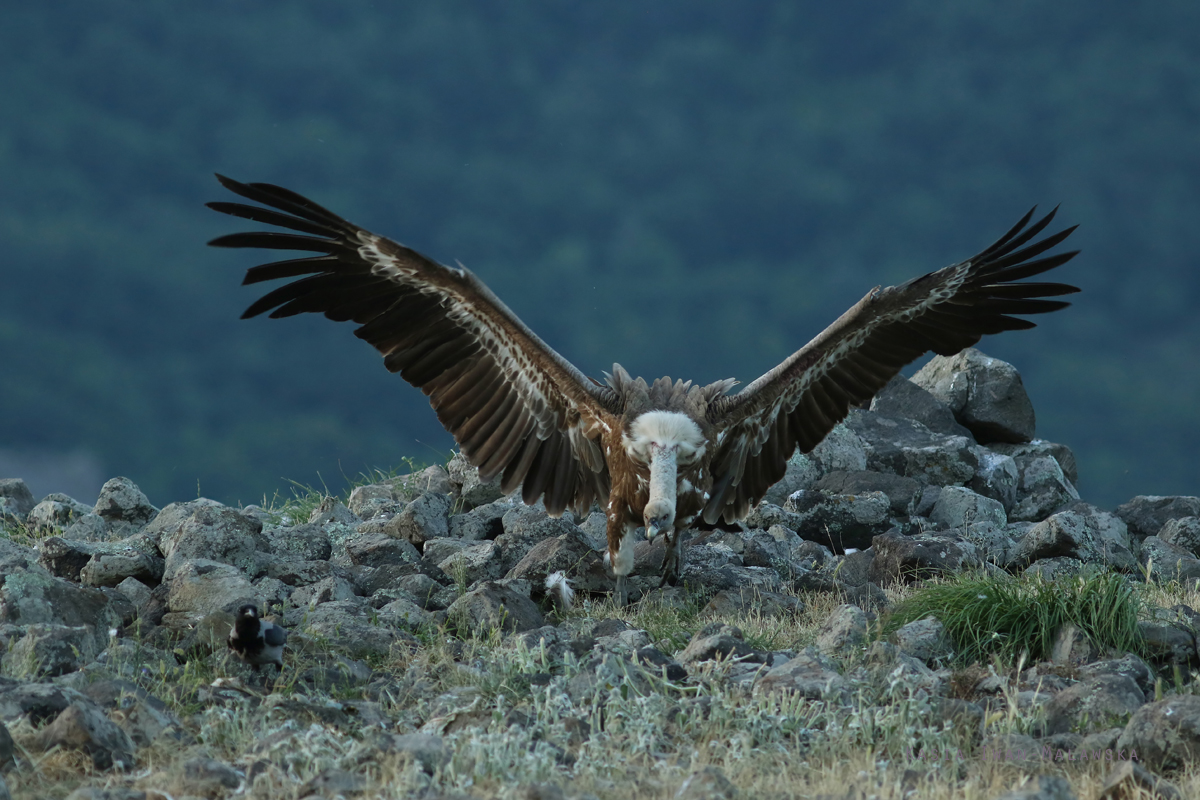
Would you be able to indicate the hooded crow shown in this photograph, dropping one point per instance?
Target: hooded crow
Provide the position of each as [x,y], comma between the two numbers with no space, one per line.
[255,640]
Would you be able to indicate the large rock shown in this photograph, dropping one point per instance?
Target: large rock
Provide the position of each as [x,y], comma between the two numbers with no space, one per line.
[203,529]
[904,399]
[15,498]
[570,553]
[1094,704]
[123,505]
[1085,533]
[1042,490]
[427,517]
[909,558]
[809,674]
[1182,532]
[985,394]
[900,491]
[957,507]
[525,526]
[840,521]
[31,595]
[49,650]
[910,449]
[491,606]
[306,542]
[1164,561]
[472,491]
[201,587]
[1147,514]
[350,627]
[83,726]
[1166,734]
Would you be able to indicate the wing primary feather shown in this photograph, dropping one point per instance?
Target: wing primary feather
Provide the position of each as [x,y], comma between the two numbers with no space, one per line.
[269,217]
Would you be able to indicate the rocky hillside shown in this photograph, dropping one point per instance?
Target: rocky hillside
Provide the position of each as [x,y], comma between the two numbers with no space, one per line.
[426,659]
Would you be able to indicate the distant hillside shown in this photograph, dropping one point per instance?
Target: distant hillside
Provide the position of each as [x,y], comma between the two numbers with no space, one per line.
[692,189]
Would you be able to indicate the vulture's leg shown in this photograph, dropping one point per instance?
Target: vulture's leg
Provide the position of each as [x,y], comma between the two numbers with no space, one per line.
[673,559]
[620,557]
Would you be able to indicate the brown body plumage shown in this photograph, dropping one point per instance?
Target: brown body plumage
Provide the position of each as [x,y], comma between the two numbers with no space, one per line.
[656,455]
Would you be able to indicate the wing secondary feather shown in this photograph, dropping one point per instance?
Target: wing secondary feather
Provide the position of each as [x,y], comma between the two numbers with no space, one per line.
[514,405]
[797,403]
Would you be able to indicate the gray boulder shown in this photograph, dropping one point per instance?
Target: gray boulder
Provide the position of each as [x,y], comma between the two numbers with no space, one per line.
[203,529]
[1166,734]
[427,517]
[843,632]
[840,521]
[472,491]
[1093,705]
[957,507]
[56,512]
[717,640]
[351,627]
[84,726]
[16,500]
[472,562]
[1168,562]
[809,674]
[1042,490]
[1182,532]
[200,587]
[910,449]
[306,542]
[996,476]
[1085,533]
[51,650]
[494,606]
[985,394]
[121,501]
[925,640]
[900,491]
[378,549]
[570,553]
[1147,514]
[904,399]
[909,558]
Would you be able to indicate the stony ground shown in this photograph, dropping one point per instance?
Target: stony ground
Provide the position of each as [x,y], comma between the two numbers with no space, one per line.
[923,607]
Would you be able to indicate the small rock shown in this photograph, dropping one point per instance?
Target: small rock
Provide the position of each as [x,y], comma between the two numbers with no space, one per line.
[809,675]
[708,783]
[926,640]
[845,630]
[718,640]
[1130,780]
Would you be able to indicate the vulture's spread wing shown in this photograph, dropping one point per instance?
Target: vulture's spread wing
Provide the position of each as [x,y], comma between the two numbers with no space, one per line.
[513,404]
[798,402]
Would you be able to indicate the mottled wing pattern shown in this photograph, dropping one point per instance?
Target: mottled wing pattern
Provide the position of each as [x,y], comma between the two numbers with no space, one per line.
[514,406]
[798,402]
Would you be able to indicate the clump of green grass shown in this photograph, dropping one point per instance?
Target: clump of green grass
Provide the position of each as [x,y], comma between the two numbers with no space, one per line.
[1003,616]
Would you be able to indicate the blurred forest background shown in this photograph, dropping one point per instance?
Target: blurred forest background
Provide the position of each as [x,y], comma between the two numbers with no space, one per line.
[689,188]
